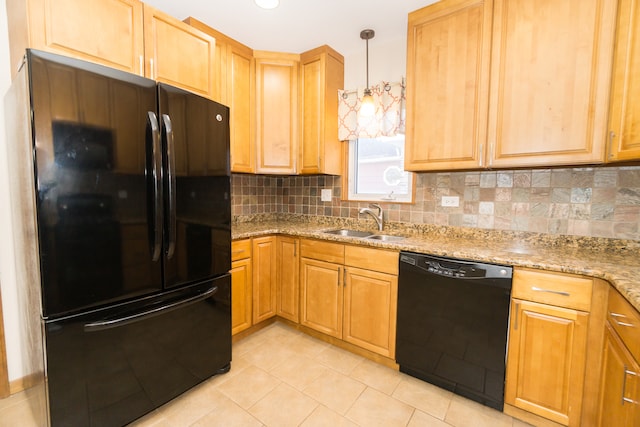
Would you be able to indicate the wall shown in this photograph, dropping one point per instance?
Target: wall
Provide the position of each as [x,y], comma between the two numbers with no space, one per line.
[7,267]
[597,202]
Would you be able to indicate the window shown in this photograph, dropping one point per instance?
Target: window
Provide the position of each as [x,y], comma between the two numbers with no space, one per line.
[376,170]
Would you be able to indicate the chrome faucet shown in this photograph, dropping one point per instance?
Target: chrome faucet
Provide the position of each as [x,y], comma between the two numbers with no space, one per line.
[379,217]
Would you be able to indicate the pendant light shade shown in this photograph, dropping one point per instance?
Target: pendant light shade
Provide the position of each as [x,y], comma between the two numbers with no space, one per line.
[367,108]
[268,4]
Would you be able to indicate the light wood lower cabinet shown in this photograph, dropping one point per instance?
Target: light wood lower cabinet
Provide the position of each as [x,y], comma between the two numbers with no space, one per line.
[547,351]
[288,289]
[241,286]
[350,293]
[264,278]
[620,389]
[321,296]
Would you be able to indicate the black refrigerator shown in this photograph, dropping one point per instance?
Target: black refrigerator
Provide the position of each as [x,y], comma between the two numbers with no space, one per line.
[132,223]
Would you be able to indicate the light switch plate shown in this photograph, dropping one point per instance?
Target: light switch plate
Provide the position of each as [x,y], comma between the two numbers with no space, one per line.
[325,195]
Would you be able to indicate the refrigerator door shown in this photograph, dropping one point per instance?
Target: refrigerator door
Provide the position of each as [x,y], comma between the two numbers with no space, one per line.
[91,127]
[111,366]
[195,135]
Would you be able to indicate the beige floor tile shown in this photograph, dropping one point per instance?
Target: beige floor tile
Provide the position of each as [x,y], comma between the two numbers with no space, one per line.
[338,359]
[227,415]
[335,390]
[249,386]
[299,372]
[283,407]
[191,405]
[466,413]
[268,355]
[153,419]
[423,396]
[377,376]
[420,419]
[325,417]
[374,408]
[304,345]
[22,414]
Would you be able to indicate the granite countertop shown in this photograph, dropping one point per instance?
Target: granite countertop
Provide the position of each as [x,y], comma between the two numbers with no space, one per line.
[617,261]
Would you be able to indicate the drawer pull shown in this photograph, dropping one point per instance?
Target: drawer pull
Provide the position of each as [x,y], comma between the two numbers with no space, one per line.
[624,387]
[615,317]
[238,252]
[551,291]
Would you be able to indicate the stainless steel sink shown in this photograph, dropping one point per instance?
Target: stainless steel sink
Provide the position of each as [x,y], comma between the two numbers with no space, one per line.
[385,238]
[349,233]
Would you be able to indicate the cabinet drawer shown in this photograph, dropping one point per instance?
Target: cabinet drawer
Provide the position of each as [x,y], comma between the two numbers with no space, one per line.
[323,251]
[562,290]
[625,320]
[240,249]
[371,259]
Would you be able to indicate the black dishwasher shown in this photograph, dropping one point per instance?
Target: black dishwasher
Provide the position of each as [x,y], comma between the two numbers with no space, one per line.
[452,324]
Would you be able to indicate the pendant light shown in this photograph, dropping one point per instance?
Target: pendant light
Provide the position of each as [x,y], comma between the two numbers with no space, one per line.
[367,108]
[268,4]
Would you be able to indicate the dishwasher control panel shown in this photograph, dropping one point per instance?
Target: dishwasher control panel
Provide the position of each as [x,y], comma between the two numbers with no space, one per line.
[450,267]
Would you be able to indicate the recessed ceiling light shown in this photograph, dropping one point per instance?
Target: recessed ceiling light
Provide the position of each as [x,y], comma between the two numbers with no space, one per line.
[268,4]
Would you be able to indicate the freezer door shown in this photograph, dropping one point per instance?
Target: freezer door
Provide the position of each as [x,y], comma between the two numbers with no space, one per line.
[94,201]
[197,213]
[109,367]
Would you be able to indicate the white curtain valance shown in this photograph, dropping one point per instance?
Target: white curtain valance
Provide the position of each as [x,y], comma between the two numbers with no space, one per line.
[388,120]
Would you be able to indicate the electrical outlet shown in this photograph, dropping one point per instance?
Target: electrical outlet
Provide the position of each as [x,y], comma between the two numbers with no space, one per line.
[325,195]
[450,201]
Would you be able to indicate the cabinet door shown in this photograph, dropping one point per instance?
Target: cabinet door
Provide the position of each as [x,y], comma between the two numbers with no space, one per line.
[447,85]
[276,113]
[178,54]
[322,74]
[264,278]
[546,361]
[322,296]
[109,32]
[620,389]
[370,304]
[624,117]
[241,295]
[550,78]
[288,294]
[240,99]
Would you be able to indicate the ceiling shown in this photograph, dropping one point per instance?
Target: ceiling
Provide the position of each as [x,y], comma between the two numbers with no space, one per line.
[299,25]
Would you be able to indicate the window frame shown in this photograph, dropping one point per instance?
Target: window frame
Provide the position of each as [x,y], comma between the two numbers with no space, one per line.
[348,181]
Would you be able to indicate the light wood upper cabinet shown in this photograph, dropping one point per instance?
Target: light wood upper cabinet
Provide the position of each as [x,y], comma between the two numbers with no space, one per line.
[264,278]
[234,86]
[624,116]
[322,75]
[550,78]
[547,89]
[448,52]
[177,53]
[109,32]
[276,112]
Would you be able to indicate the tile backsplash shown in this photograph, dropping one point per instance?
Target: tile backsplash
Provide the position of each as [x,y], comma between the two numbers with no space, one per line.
[590,201]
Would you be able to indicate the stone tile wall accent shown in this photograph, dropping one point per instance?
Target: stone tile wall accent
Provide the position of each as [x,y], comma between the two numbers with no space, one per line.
[593,201]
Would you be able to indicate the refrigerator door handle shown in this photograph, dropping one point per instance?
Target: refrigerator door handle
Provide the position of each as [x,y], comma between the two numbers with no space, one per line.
[156,156]
[171,177]
[129,318]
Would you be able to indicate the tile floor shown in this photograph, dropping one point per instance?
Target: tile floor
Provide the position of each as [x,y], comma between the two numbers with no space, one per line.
[281,377]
